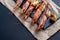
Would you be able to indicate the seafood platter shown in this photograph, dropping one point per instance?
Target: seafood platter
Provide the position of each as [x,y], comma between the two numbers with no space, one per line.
[38,16]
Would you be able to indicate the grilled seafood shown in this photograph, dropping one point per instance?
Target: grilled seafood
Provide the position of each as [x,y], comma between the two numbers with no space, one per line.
[43,19]
[25,6]
[38,13]
[30,9]
[18,3]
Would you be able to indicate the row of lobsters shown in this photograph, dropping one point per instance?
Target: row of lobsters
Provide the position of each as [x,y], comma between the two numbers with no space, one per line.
[29,6]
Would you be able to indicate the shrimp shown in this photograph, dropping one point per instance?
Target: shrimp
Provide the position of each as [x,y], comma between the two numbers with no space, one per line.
[43,19]
[18,3]
[30,9]
[38,13]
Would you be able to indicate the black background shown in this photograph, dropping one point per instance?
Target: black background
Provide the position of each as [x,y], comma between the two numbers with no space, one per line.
[11,28]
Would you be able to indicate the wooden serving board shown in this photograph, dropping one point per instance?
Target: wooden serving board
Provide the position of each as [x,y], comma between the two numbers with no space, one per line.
[43,34]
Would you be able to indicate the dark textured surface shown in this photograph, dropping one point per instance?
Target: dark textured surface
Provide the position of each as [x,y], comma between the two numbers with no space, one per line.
[56,36]
[57,2]
[11,28]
